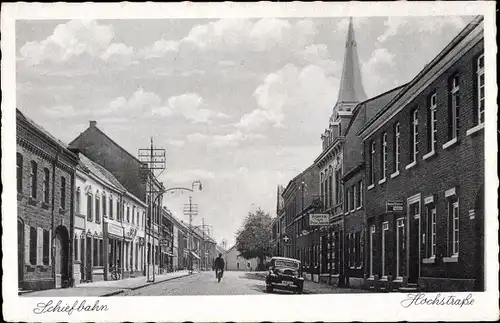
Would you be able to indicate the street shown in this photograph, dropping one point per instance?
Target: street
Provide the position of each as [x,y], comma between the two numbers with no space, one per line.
[233,283]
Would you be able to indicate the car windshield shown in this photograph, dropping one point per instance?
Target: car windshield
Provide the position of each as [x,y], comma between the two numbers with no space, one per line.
[286,263]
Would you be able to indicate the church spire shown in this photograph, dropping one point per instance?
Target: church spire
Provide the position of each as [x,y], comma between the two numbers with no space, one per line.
[351,85]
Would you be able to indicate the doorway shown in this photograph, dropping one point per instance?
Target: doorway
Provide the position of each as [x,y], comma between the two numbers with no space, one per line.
[88,260]
[61,257]
[20,253]
[413,232]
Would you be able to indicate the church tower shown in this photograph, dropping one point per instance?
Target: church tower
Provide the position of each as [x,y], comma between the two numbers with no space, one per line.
[351,90]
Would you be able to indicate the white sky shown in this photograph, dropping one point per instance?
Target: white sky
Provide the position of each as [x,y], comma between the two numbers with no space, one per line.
[238,104]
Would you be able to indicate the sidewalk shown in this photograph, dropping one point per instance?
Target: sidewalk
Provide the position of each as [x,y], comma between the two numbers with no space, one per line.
[106,288]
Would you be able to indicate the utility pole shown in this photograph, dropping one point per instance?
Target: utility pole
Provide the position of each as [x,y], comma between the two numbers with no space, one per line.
[203,243]
[192,210]
[152,159]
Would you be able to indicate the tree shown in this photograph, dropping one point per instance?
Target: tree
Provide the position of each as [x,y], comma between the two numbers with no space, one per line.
[253,240]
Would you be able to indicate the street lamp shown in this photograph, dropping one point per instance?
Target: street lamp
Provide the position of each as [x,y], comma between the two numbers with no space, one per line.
[193,185]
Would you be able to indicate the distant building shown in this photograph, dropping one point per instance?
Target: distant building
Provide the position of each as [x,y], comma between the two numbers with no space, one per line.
[234,262]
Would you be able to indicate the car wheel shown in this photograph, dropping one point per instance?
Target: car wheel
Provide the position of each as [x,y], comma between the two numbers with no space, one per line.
[269,288]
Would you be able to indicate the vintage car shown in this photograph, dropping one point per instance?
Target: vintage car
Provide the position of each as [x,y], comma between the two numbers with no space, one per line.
[284,273]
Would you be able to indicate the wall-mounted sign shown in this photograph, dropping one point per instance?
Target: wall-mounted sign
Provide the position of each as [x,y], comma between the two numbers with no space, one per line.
[286,239]
[115,230]
[394,206]
[319,219]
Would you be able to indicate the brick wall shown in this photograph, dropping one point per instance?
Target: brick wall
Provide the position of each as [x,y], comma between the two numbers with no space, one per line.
[460,166]
[35,212]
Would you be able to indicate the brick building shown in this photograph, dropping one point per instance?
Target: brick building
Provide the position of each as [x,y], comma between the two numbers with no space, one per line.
[132,174]
[301,197]
[45,182]
[354,184]
[425,174]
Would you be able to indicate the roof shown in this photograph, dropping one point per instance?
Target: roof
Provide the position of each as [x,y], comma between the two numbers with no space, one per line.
[22,116]
[296,177]
[378,102]
[94,126]
[286,258]
[101,173]
[351,85]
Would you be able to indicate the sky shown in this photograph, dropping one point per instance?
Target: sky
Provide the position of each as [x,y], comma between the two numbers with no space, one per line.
[238,104]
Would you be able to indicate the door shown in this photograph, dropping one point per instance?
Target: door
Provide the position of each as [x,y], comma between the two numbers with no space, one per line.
[400,248]
[61,257]
[88,260]
[82,259]
[414,250]
[20,253]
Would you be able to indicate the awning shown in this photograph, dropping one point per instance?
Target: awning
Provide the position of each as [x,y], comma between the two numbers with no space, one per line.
[195,255]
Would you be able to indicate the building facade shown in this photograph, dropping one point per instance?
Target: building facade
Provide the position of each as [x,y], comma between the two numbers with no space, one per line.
[234,262]
[425,175]
[137,180]
[354,184]
[45,182]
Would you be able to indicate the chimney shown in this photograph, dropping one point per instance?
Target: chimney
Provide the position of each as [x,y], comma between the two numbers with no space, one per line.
[93,124]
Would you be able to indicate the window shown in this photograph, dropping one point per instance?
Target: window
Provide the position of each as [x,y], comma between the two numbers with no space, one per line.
[360,185]
[453,108]
[430,230]
[414,136]
[46,246]
[128,214]
[33,179]
[372,163]
[19,172]
[101,252]
[33,245]
[396,151]
[385,236]
[46,179]
[383,155]
[338,195]
[330,187]
[75,249]
[353,197]
[357,248]
[97,210]
[348,200]
[104,205]
[78,201]
[453,227]
[110,207]
[63,193]
[96,252]
[133,214]
[118,215]
[89,207]
[432,124]
[480,89]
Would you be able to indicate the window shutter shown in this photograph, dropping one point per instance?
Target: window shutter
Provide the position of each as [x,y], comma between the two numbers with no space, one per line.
[50,247]
[26,244]
[39,246]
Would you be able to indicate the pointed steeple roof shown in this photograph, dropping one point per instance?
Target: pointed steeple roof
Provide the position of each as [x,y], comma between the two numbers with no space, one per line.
[351,85]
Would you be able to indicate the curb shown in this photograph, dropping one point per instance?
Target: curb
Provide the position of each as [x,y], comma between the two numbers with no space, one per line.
[142,286]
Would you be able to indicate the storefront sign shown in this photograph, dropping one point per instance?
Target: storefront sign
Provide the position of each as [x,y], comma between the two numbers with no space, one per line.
[115,230]
[319,219]
[394,206]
